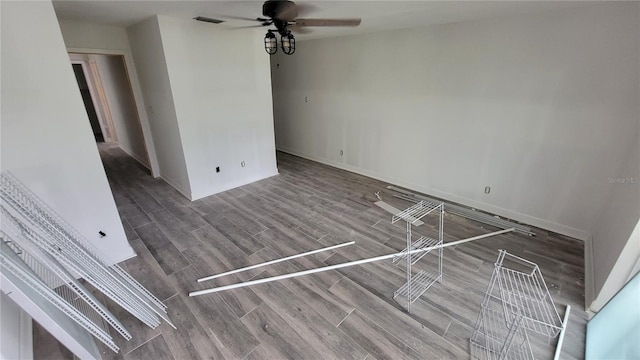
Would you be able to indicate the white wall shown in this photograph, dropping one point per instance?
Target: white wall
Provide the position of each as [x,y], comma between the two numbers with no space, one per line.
[149,59]
[81,36]
[16,339]
[540,107]
[221,85]
[47,141]
[122,106]
[616,236]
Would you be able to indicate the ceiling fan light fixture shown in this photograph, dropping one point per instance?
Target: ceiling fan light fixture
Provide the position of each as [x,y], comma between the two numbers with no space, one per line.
[288,43]
[270,43]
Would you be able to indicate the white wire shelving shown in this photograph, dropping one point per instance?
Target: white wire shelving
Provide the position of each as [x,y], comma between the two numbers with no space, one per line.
[56,252]
[18,265]
[516,304]
[418,283]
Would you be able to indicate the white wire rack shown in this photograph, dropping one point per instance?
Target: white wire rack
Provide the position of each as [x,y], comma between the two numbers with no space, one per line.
[418,283]
[57,247]
[523,305]
[15,268]
[416,212]
[55,276]
[525,293]
[492,339]
[54,235]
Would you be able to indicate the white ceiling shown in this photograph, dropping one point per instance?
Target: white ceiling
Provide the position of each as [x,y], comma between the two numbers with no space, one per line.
[376,15]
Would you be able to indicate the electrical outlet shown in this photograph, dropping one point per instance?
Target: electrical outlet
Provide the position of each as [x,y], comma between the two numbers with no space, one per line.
[341,152]
[217,169]
[306,99]
[487,189]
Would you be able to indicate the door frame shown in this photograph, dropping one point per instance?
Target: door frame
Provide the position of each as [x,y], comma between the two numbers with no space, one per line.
[137,98]
[97,97]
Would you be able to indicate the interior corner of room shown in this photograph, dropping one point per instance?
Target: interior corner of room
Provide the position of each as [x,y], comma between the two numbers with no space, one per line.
[531,115]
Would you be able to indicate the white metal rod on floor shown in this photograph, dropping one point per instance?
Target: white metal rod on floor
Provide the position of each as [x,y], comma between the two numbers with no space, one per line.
[565,321]
[275,261]
[338,266]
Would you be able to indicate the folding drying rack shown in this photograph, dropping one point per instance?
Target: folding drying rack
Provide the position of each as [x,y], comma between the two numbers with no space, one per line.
[517,304]
[417,284]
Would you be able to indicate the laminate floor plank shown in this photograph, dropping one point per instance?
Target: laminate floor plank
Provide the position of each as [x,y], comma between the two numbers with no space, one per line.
[312,290]
[190,341]
[219,248]
[236,234]
[378,341]
[278,340]
[189,217]
[424,341]
[154,349]
[319,333]
[242,300]
[150,274]
[214,314]
[165,253]
[177,232]
[144,200]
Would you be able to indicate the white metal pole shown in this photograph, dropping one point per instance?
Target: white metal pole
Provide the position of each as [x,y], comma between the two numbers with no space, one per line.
[565,321]
[338,266]
[275,261]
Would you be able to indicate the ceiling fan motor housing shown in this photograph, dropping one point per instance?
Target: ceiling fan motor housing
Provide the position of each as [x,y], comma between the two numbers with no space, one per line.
[272,8]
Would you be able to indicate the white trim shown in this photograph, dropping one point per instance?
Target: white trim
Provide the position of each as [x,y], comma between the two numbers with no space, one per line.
[622,271]
[97,105]
[589,273]
[234,185]
[137,96]
[135,157]
[523,218]
[175,185]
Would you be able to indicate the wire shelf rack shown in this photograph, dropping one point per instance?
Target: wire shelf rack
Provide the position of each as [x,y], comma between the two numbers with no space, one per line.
[418,283]
[526,294]
[59,255]
[416,212]
[516,304]
[422,243]
[15,268]
[492,339]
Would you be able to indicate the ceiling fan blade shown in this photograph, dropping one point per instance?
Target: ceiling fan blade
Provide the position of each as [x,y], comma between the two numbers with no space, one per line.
[327,22]
[243,18]
[300,30]
[251,26]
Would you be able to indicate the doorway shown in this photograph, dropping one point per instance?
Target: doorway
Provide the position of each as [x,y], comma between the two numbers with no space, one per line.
[110,102]
[88,102]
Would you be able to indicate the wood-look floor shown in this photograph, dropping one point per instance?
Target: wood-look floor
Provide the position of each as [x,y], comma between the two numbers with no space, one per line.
[345,314]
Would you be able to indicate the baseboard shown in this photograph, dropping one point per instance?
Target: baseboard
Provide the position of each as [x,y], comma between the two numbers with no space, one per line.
[175,185]
[126,257]
[234,185]
[523,218]
[135,157]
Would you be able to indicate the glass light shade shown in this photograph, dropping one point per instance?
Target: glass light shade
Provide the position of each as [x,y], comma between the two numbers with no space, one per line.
[270,43]
[288,44]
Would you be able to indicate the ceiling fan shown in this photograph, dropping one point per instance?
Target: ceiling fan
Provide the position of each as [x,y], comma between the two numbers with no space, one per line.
[283,14]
